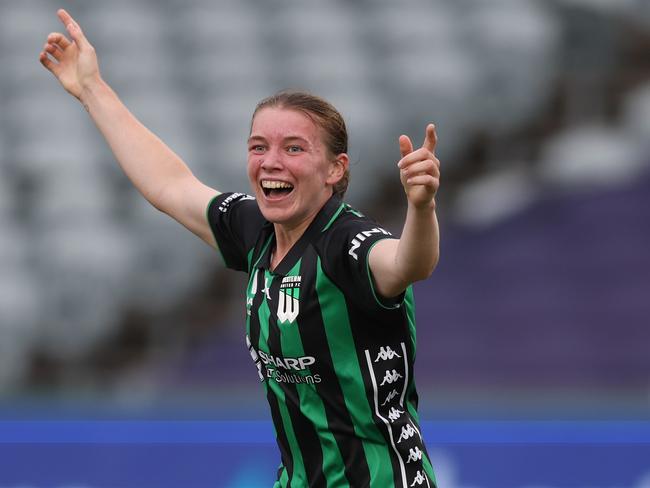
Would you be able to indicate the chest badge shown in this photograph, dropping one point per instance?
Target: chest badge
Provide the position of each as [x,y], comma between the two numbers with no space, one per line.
[289,299]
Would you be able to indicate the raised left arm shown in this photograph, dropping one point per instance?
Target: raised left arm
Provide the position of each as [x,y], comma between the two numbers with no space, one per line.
[396,263]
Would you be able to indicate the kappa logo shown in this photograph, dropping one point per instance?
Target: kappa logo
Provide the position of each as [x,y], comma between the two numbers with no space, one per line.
[289,299]
[419,479]
[362,236]
[394,414]
[390,396]
[414,455]
[407,433]
[391,377]
[386,353]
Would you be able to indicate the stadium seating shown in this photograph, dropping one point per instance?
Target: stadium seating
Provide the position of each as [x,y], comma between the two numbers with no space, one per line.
[80,250]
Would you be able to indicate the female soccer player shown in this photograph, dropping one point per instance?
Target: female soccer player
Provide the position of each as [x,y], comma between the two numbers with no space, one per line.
[330,314]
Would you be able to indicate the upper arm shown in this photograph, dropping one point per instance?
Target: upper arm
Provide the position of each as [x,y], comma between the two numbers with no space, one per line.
[186,201]
[351,248]
[382,261]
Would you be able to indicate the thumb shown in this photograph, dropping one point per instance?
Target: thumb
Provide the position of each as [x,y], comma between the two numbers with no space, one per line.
[405,145]
[431,138]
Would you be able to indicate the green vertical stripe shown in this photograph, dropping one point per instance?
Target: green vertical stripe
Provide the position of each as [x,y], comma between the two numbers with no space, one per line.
[346,366]
[249,258]
[409,305]
[428,468]
[284,477]
[311,404]
[298,464]
[264,314]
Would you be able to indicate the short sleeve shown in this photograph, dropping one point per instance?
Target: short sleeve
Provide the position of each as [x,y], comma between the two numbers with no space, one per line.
[236,221]
[346,261]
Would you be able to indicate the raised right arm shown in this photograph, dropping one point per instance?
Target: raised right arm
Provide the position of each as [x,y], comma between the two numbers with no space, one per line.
[156,171]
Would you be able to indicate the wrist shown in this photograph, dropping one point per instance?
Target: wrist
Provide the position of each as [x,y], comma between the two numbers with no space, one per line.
[423,208]
[92,90]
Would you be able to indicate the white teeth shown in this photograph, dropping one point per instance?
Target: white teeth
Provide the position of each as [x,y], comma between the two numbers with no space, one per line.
[275,184]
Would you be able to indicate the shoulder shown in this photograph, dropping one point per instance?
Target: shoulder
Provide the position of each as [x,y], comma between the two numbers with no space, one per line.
[236,223]
[345,252]
[225,202]
[234,210]
[350,234]
[351,228]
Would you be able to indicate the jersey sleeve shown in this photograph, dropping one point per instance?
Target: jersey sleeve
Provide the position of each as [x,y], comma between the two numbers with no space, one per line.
[346,261]
[235,220]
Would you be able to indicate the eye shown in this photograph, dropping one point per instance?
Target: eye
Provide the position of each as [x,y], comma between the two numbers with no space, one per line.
[257,148]
[294,149]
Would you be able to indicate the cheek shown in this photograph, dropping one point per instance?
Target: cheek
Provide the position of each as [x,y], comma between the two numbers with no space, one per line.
[252,167]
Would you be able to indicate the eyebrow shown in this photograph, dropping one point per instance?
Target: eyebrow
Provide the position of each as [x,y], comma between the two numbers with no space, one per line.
[255,138]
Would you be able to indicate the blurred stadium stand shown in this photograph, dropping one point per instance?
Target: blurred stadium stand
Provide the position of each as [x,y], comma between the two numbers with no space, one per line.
[543,112]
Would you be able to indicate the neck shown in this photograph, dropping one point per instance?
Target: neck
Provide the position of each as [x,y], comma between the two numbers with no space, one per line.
[288,233]
[286,236]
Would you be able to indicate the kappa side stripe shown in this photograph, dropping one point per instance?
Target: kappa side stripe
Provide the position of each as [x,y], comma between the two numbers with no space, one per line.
[392,411]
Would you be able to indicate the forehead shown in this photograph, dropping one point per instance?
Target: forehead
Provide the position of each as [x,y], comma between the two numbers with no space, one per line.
[280,123]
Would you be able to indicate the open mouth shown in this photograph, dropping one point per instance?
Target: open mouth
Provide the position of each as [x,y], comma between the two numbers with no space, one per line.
[276,189]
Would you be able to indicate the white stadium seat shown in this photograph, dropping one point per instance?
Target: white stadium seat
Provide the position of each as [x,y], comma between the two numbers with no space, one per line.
[591,156]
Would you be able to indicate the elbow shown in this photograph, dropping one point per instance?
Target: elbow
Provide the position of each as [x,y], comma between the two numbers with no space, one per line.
[434,264]
[427,271]
[425,274]
[160,199]
[158,205]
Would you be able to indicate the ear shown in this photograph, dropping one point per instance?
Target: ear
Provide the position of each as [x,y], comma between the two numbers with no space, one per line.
[338,168]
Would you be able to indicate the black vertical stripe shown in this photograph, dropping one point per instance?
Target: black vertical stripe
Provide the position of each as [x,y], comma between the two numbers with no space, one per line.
[283,442]
[254,330]
[310,447]
[314,340]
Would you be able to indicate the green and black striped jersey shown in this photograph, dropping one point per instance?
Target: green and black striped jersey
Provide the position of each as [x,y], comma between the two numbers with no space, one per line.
[335,359]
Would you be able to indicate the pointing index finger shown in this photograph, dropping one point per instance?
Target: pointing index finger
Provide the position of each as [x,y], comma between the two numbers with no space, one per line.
[65,17]
[73,29]
[69,23]
[431,138]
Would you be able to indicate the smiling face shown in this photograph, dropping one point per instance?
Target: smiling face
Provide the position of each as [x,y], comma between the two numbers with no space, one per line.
[290,170]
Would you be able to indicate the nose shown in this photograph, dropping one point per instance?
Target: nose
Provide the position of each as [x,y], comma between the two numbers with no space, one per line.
[272,160]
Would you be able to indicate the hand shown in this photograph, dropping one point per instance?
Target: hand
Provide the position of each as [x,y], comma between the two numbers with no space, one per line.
[73,63]
[420,169]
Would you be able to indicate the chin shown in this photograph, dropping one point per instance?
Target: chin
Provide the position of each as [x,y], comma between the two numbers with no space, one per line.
[275,214]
